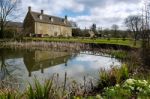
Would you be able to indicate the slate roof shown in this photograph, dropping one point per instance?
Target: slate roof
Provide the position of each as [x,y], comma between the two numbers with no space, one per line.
[47,19]
[14,24]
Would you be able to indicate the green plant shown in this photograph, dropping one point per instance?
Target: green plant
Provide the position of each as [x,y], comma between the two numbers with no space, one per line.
[119,54]
[106,78]
[40,91]
[131,88]
[113,76]
[137,87]
[9,94]
[116,92]
[122,73]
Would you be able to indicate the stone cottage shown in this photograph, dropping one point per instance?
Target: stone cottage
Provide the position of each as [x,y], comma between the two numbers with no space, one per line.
[40,24]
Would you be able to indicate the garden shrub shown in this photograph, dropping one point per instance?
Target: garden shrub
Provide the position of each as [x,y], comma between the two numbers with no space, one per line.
[131,88]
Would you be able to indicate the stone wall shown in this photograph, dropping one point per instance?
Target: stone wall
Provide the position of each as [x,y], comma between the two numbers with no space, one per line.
[52,30]
[28,24]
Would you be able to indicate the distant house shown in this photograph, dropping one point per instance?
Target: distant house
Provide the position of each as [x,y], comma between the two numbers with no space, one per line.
[73,25]
[16,27]
[92,34]
[40,24]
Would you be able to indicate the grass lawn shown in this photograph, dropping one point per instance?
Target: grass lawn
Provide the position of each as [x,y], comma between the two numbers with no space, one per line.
[118,41]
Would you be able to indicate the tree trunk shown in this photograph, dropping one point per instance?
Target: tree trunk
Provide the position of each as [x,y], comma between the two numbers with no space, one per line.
[2,32]
[135,40]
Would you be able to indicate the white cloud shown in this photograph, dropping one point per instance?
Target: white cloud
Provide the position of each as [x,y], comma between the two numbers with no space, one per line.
[108,15]
[102,12]
[52,6]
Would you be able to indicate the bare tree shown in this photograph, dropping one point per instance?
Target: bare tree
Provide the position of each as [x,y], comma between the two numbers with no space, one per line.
[146,23]
[145,52]
[115,29]
[134,23]
[7,9]
[93,28]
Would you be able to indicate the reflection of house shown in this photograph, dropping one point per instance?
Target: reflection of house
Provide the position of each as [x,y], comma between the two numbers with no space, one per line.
[41,24]
[37,60]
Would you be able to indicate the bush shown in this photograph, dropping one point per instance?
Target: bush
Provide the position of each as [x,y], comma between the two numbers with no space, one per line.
[131,88]
[9,33]
[116,92]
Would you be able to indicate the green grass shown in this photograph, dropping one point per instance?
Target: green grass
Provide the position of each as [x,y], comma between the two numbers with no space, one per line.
[114,76]
[117,41]
[119,54]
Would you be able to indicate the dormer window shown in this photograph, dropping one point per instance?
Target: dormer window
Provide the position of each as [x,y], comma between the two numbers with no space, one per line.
[40,16]
[64,21]
[51,19]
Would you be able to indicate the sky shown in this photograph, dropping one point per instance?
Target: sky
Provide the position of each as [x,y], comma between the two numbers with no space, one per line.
[104,13]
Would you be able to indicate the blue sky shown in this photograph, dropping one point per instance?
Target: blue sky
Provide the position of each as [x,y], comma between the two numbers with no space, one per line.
[86,12]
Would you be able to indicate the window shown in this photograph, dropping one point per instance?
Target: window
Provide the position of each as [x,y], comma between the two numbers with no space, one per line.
[55,34]
[41,32]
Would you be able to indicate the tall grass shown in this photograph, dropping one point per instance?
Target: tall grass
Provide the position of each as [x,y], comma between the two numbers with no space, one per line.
[113,76]
[9,94]
[120,54]
[52,89]
[40,91]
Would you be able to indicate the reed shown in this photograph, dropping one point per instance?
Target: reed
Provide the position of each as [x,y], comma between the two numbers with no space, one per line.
[51,89]
[42,45]
[113,76]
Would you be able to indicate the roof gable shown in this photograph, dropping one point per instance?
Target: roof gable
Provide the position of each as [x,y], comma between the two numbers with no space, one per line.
[14,24]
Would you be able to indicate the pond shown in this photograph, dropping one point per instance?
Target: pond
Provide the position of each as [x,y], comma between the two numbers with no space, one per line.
[22,66]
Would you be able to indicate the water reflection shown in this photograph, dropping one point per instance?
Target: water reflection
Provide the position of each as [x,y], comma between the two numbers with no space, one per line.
[6,67]
[3,68]
[24,65]
[39,60]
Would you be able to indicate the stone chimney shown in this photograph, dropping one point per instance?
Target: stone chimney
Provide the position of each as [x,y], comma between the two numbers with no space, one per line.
[66,17]
[29,8]
[42,11]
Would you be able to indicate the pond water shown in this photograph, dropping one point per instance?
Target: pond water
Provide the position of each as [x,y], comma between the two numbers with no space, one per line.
[22,66]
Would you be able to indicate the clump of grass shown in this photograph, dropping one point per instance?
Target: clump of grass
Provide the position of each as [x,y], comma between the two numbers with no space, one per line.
[40,91]
[9,94]
[105,79]
[113,76]
[47,90]
[122,73]
[119,54]
[51,89]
